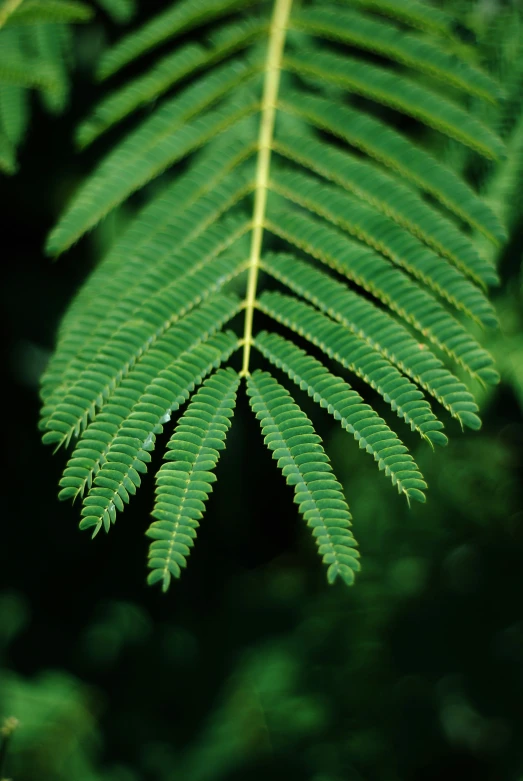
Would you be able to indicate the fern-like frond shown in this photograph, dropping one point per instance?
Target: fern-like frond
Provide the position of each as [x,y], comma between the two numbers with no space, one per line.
[387,284]
[166,73]
[201,277]
[347,406]
[380,232]
[371,34]
[289,434]
[91,450]
[397,153]
[173,224]
[389,195]
[355,354]
[379,330]
[185,481]
[167,137]
[278,159]
[399,93]
[181,17]
[116,357]
[128,453]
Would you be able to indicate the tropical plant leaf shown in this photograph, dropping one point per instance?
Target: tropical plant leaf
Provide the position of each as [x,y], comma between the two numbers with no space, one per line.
[297,448]
[184,482]
[347,406]
[377,36]
[281,162]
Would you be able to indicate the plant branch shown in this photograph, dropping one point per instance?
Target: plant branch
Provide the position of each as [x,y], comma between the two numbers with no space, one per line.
[275,48]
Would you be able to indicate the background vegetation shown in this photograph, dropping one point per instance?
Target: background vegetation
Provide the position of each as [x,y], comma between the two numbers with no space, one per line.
[251,667]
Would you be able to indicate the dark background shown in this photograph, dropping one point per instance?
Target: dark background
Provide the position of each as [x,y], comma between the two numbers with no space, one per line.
[251,666]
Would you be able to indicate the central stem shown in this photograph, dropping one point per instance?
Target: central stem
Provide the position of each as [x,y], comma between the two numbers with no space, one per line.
[271,85]
[8,8]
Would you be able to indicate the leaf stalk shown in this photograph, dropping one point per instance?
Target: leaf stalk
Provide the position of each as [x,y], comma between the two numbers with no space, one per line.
[277,34]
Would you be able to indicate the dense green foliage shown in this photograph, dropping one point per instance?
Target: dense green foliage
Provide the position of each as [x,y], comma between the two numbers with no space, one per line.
[252,669]
[299,174]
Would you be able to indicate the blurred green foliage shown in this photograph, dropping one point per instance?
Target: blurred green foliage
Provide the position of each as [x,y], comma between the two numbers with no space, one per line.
[257,670]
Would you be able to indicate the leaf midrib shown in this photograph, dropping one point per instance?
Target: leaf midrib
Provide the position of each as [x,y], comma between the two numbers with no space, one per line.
[271,84]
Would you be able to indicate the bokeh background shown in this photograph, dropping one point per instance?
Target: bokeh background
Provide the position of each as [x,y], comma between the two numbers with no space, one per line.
[251,667]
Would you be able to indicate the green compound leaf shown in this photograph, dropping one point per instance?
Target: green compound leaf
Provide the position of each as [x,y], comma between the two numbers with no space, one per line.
[346,406]
[181,17]
[128,452]
[185,481]
[283,145]
[377,36]
[401,94]
[356,355]
[379,330]
[387,194]
[296,447]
